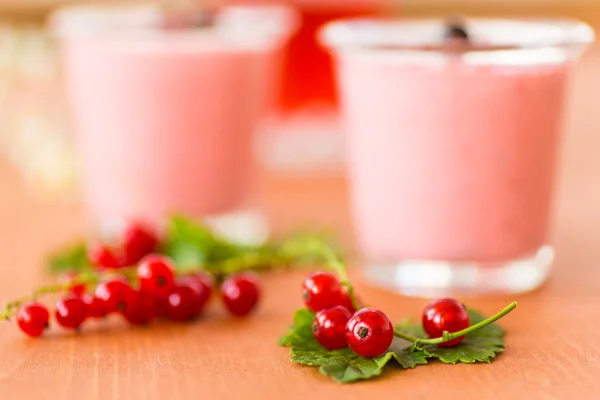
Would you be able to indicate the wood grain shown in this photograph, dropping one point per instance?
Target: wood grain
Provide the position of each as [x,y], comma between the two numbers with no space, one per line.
[553,348]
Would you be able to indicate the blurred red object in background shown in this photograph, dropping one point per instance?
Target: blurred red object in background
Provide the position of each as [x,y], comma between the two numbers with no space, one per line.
[308,69]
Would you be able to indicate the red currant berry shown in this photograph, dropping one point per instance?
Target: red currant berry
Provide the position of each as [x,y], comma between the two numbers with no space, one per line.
[138,241]
[321,290]
[181,304]
[202,285]
[347,301]
[33,319]
[70,312]
[142,309]
[329,327]
[114,295]
[77,289]
[93,306]
[369,332]
[240,294]
[155,273]
[445,315]
[103,256]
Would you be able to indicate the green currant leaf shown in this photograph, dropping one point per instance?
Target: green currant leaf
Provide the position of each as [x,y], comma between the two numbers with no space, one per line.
[402,351]
[480,346]
[72,259]
[343,365]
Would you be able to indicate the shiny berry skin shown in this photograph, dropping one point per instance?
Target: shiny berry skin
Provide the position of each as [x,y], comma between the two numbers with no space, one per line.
[240,294]
[329,327]
[138,241]
[33,319]
[182,304]
[114,295]
[369,332]
[202,285]
[104,257]
[77,289]
[321,290]
[142,310]
[93,306]
[70,312]
[445,315]
[155,273]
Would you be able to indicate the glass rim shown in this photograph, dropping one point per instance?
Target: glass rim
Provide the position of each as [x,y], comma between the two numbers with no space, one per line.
[427,34]
[144,21]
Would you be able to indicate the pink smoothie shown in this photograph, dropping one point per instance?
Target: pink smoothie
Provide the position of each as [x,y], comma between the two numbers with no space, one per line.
[164,119]
[451,161]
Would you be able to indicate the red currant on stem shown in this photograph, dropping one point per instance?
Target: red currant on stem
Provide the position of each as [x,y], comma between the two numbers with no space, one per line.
[202,285]
[93,306]
[445,315]
[138,241]
[450,336]
[182,304]
[114,295]
[369,332]
[33,319]
[155,273]
[329,327]
[240,294]
[103,256]
[142,309]
[70,312]
[322,290]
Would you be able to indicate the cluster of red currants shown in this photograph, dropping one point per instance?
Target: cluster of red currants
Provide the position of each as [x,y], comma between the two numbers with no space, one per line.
[368,331]
[155,291]
[137,240]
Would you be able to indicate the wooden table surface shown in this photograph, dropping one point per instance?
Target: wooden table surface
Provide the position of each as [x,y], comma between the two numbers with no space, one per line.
[553,341]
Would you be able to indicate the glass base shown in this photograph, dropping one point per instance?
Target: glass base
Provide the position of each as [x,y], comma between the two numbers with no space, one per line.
[425,278]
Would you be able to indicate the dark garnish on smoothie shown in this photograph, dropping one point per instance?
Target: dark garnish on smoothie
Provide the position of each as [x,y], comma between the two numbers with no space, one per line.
[188,18]
[455,30]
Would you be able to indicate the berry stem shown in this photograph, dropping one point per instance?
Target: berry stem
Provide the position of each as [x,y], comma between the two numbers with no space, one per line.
[10,309]
[447,336]
[332,260]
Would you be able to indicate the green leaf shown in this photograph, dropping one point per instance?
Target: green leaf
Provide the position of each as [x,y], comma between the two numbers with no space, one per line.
[343,365]
[402,351]
[193,245]
[72,259]
[480,346]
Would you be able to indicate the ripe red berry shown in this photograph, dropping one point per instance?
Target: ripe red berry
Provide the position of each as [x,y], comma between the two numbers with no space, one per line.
[369,332]
[155,273]
[77,289]
[181,304]
[142,310]
[329,327]
[114,295]
[138,241]
[321,290]
[240,294]
[202,285]
[347,301]
[33,319]
[93,306]
[70,312]
[445,315]
[103,256]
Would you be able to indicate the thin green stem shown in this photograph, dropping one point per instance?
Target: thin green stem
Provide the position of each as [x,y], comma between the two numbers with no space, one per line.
[447,336]
[334,262]
[10,309]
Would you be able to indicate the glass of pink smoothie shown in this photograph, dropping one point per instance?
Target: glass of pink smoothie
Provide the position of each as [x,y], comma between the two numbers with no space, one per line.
[164,104]
[454,134]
